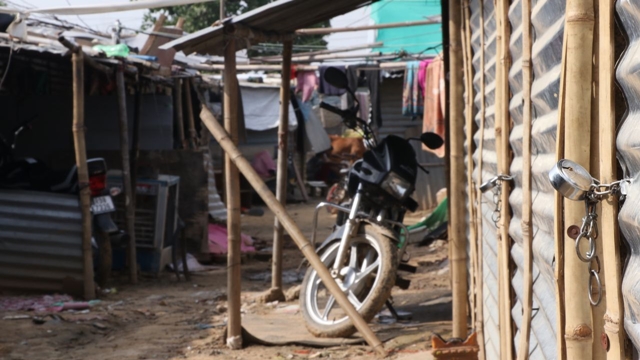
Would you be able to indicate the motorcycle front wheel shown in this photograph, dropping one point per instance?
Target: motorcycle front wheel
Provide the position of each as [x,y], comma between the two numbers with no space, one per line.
[367,278]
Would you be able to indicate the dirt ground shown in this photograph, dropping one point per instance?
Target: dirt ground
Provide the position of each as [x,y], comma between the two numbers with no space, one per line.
[168,319]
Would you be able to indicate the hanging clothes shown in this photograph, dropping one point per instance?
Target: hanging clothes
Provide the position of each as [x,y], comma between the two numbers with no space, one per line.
[367,75]
[364,98]
[325,87]
[434,102]
[422,75]
[412,101]
[306,84]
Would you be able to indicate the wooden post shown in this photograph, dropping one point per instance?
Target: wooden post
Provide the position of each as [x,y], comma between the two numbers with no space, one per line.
[458,237]
[232,182]
[527,201]
[281,180]
[579,26]
[308,250]
[612,265]
[83,172]
[479,217]
[502,131]
[126,174]
[193,136]
[473,236]
[135,146]
[178,111]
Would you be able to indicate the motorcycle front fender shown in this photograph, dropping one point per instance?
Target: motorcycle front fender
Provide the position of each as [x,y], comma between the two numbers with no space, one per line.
[336,235]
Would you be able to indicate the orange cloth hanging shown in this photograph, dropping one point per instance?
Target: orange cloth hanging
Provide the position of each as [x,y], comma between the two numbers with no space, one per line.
[434,102]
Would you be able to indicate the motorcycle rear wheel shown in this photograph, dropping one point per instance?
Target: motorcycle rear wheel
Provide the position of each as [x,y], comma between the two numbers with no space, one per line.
[371,267]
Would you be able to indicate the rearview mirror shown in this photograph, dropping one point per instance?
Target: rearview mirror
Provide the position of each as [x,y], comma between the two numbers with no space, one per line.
[336,78]
[431,140]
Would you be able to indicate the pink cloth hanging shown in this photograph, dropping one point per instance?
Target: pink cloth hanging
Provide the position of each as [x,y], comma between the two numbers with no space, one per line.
[306,83]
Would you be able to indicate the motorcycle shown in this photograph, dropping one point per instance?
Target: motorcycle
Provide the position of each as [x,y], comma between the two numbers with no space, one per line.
[366,249]
[33,174]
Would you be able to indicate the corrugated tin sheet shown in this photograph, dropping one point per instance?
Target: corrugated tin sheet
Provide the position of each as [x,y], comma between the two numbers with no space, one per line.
[40,240]
[628,144]
[284,16]
[542,343]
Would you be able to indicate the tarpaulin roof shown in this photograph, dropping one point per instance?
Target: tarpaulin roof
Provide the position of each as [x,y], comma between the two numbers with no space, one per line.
[280,17]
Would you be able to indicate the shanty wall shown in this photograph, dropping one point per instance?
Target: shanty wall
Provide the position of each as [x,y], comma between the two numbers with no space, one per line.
[548,25]
[629,157]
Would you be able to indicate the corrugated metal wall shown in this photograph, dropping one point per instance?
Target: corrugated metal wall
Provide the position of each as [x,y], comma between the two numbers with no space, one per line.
[484,13]
[548,26]
[628,143]
[40,240]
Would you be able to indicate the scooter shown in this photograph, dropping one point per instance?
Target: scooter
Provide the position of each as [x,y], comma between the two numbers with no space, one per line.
[366,251]
[33,174]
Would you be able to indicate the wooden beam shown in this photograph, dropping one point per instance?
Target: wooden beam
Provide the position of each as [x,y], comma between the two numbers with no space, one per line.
[193,136]
[281,180]
[83,172]
[278,58]
[126,175]
[579,26]
[609,230]
[232,182]
[503,151]
[157,26]
[179,111]
[75,48]
[305,246]
[325,31]
[458,237]
[479,219]
[527,200]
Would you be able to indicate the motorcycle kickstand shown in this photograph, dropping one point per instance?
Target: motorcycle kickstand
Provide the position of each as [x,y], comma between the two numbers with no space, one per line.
[395,314]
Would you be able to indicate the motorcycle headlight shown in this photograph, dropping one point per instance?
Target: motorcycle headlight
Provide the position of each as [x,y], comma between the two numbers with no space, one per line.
[395,185]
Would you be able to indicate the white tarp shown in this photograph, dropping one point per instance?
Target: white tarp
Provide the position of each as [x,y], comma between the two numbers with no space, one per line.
[261,106]
[105,8]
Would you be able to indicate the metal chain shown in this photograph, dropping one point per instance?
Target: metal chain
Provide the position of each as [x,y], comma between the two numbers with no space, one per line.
[497,200]
[589,232]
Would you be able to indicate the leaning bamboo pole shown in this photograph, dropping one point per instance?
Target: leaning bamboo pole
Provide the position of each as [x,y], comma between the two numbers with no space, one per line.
[307,248]
[579,24]
[458,236]
[613,324]
[502,131]
[527,201]
[479,214]
[83,171]
[281,179]
[468,77]
[126,175]
[232,182]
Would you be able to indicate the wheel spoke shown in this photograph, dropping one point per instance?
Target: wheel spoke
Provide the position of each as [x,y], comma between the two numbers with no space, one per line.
[368,259]
[330,302]
[354,299]
[368,270]
[353,259]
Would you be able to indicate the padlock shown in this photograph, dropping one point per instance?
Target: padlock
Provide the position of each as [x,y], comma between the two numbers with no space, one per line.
[571,180]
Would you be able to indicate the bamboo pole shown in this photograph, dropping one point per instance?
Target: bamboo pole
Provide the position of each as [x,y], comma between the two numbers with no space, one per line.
[458,237]
[468,67]
[613,318]
[178,111]
[83,172]
[527,201]
[308,250]
[232,182]
[135,146]
[193,136]
[597,311]
[480,278]
[502,131]
[281,180]
[126,175]
[579,25]
[279,58]
[558,221]
[325,31]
